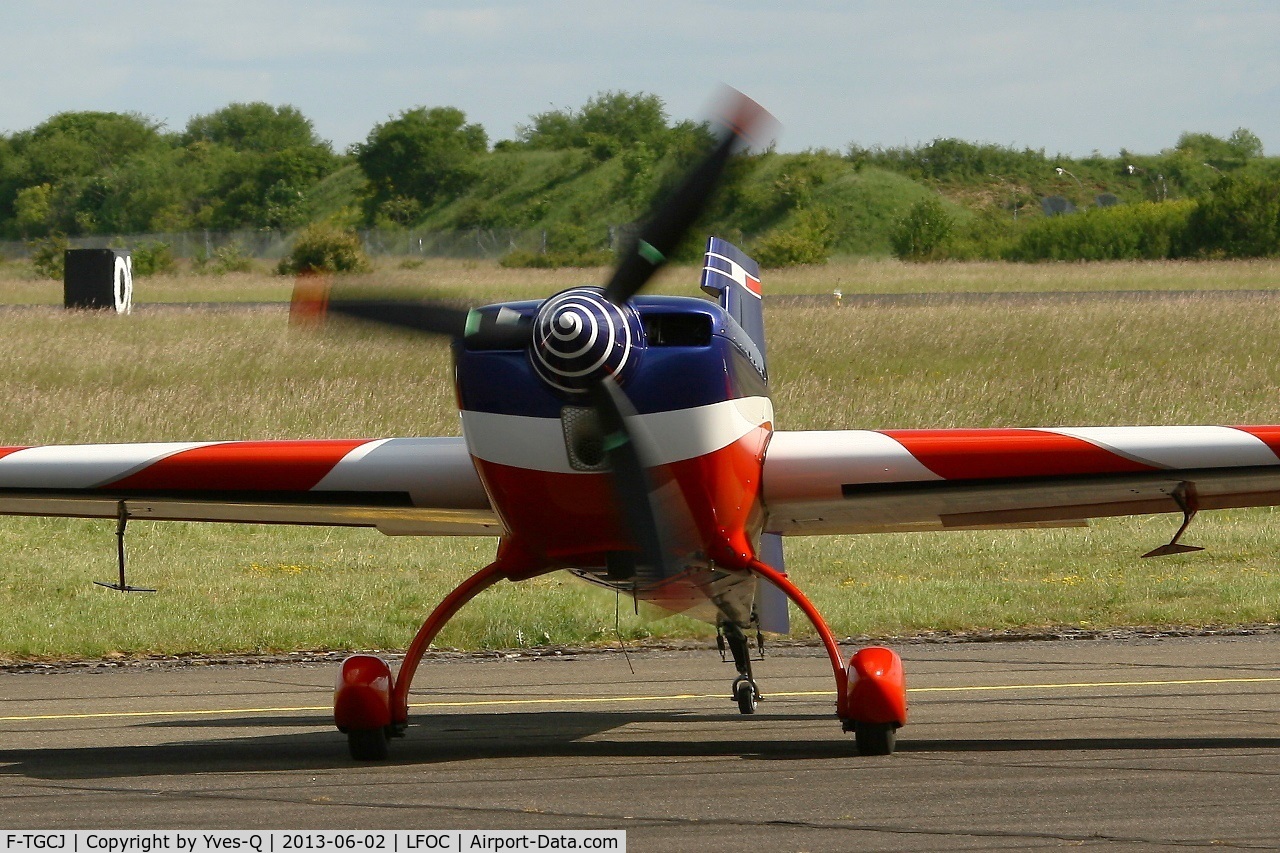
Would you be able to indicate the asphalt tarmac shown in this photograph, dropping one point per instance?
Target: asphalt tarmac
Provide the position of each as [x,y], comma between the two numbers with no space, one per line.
[1142,744]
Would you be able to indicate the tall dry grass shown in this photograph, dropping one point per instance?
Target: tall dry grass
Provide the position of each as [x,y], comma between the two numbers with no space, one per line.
[1198,359]
[878,275]
[184,374]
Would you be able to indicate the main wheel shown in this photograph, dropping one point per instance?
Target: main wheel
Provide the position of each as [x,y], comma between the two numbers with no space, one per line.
[367,744]
[875,738]
[744,693]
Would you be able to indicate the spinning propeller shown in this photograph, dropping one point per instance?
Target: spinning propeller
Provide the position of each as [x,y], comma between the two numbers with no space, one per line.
[582,341]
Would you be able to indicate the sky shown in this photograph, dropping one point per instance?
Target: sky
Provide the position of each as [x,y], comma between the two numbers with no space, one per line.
[1067,77]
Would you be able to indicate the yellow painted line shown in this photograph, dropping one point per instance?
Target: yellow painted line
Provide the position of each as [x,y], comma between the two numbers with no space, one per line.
[567,700]
[1086,684]
[674,697]
[578,700]
[191,712]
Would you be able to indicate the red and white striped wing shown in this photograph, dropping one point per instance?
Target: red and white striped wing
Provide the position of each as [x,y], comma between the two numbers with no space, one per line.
[399,485]
[861,481]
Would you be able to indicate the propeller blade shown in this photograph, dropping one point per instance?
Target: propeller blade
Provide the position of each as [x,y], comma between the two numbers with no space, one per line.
[502,328]
[670,220]
[418,316]
[310,301]
[481,329]
[631,482]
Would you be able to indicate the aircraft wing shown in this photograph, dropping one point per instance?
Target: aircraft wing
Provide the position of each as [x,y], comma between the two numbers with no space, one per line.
[862,481]
[413,486]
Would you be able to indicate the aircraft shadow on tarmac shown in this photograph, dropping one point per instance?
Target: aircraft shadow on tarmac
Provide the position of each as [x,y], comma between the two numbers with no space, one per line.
[431,739]
[439,738]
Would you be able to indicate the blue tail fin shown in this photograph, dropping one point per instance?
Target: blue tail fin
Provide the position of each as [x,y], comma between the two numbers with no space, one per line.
[733,278]
[771,602]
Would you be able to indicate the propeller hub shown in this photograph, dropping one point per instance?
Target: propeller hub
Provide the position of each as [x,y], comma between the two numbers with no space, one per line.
[579,337]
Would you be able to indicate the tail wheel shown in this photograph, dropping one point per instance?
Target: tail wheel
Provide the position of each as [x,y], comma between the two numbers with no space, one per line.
[367,744]
[875,738]
[746,695]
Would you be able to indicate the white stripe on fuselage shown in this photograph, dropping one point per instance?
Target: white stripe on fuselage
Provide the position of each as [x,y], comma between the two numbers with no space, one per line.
[537,444]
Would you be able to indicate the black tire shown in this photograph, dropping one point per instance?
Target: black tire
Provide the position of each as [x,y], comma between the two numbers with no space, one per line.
[367,744]
[744,693]
[875,738]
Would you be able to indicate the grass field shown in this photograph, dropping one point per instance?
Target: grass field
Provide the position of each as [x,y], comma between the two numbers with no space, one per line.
[190,374]
[480,281]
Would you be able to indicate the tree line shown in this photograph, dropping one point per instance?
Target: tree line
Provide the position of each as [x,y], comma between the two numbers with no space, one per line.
[575,172]
[254,165]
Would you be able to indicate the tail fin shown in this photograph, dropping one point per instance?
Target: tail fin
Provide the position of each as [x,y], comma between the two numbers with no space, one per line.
[771,602]
[733,278]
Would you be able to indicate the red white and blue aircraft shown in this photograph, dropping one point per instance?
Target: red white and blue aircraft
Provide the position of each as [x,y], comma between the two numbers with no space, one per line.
[630,440]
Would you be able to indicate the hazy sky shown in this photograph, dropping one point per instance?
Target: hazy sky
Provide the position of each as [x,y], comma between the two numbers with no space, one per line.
[1069,77]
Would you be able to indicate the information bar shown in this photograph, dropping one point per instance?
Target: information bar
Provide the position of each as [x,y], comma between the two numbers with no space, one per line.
[299,841]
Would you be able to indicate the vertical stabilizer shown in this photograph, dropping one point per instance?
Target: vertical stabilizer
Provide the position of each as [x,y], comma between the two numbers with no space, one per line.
[771,602]
[734,279]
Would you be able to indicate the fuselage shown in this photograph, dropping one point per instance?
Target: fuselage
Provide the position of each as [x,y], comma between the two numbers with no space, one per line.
[703,419]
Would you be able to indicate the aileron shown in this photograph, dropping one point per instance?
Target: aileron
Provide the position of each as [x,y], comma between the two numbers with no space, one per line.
[1007,478]
[427,486]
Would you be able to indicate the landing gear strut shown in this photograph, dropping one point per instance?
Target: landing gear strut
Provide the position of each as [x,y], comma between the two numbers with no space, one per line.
[745,691]
[370,704]
[871,692]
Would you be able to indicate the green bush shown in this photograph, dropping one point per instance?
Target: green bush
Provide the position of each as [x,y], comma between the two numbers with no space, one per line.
[225,259]
[1144,231]
[49,255]
[989,235]
[153,259]
[806,240]
[323,248]
[950,159]
[1240,219]
[923,233]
